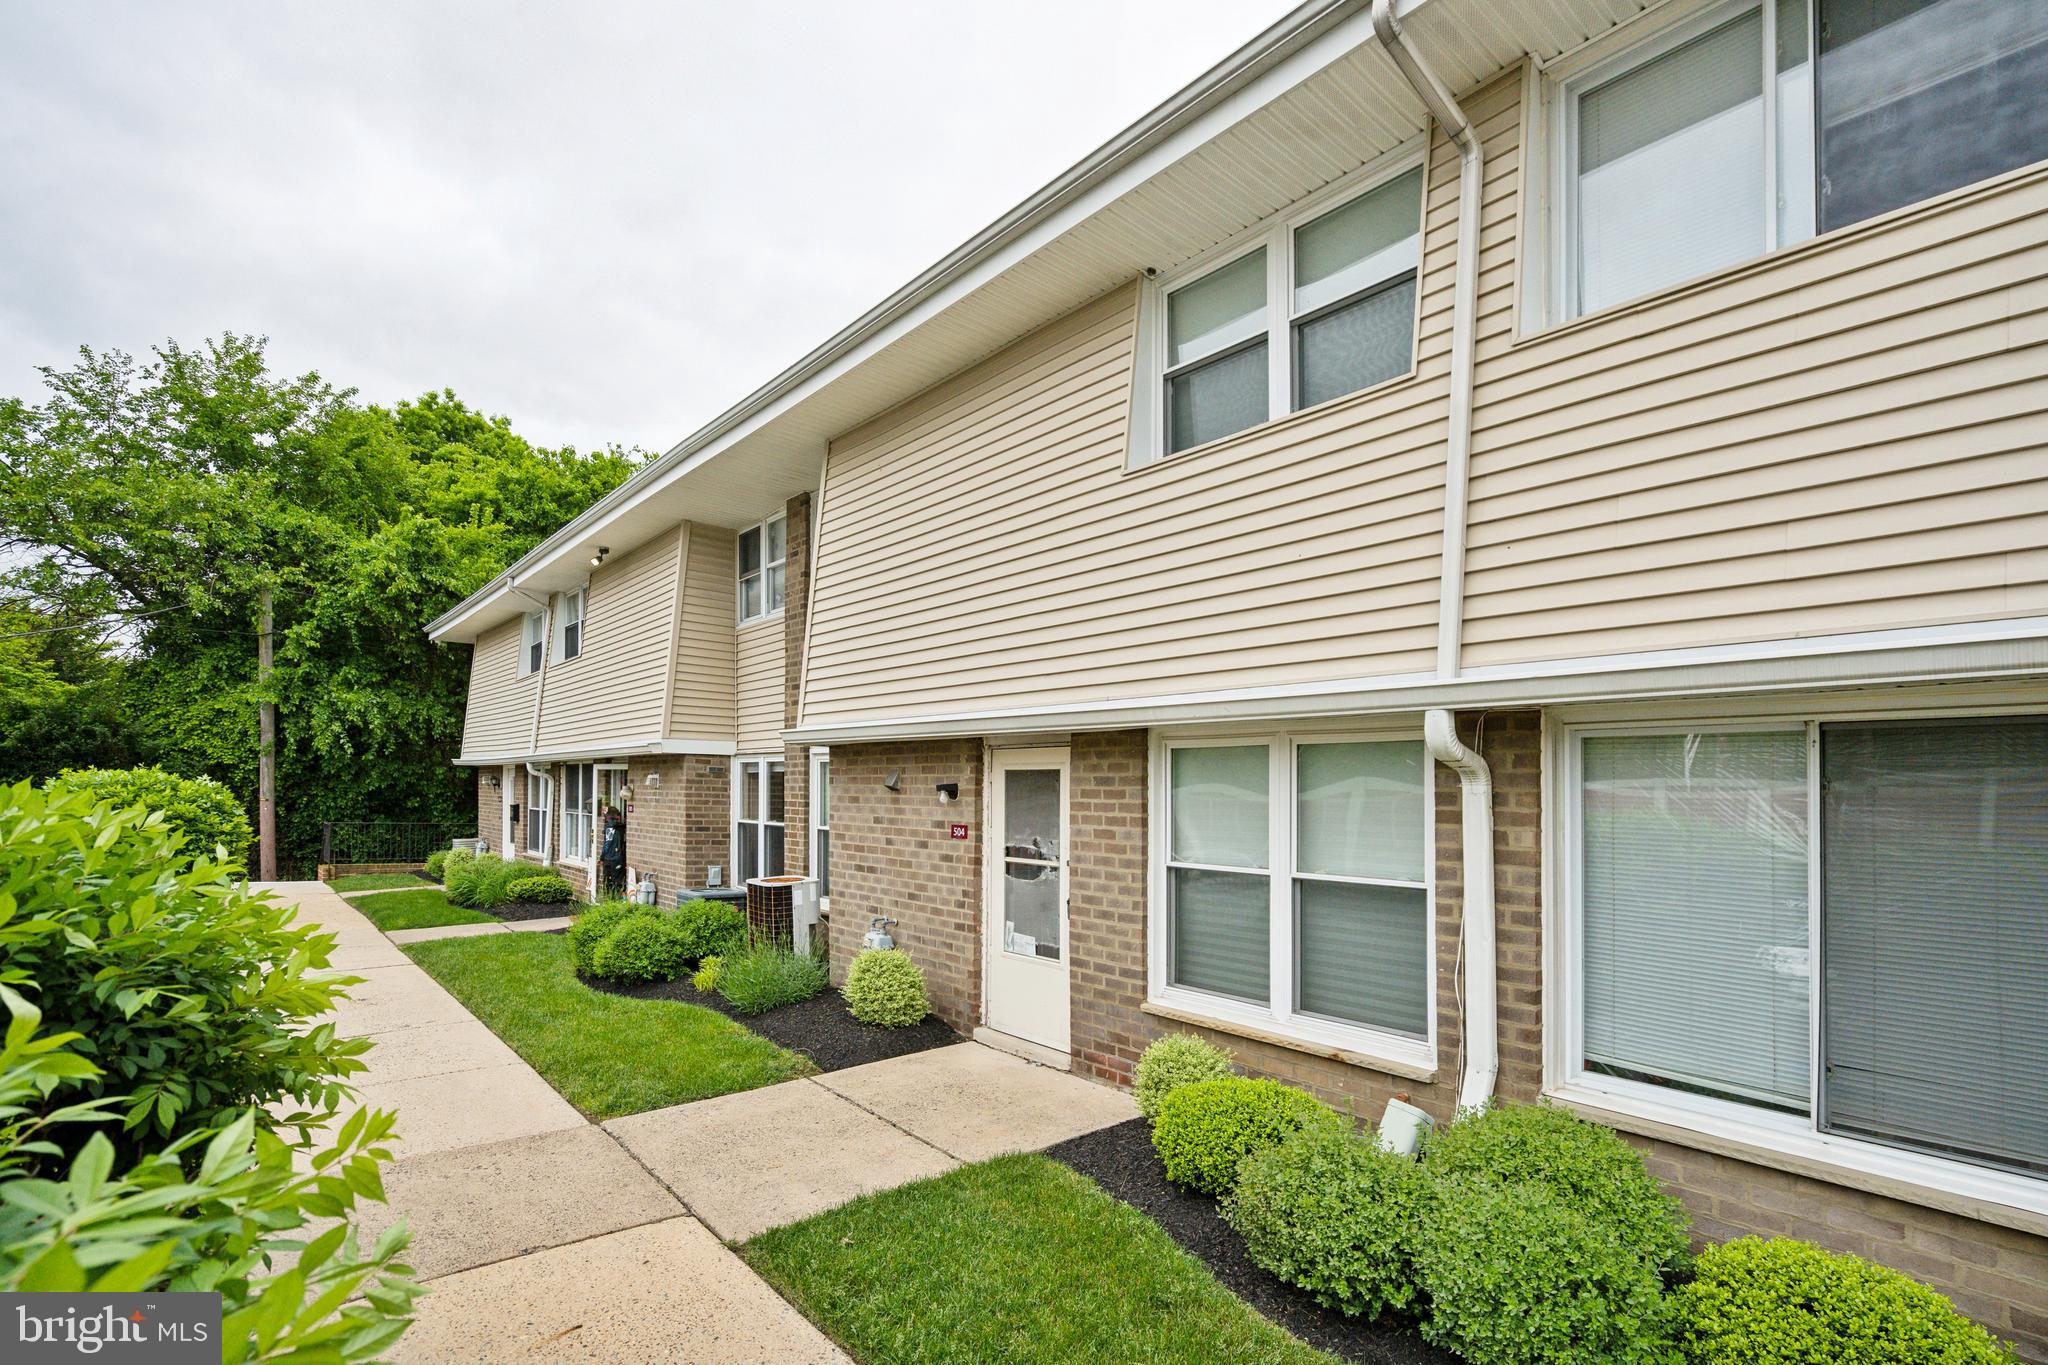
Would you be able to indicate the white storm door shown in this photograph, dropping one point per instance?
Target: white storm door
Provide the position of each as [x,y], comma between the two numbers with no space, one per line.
[1024,900]
[507,796]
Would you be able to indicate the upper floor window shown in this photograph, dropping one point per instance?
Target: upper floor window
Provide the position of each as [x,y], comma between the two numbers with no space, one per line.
[533,642]
[1315,307]
[1722,139]
[569,608]
[762,551]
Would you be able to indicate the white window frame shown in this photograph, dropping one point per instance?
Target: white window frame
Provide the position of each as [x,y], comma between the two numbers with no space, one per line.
[572,609]
[570,854]
[1633,46]
[1772,1137]
[533,631]
[539,780]
[820,767]
[758,822]
[740,577]
[1276,235]
[1399,1053]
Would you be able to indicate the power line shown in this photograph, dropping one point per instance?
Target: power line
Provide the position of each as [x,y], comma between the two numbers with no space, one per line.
[99,624]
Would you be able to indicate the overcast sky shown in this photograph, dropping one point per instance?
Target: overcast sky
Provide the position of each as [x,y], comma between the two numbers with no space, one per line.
[608,221]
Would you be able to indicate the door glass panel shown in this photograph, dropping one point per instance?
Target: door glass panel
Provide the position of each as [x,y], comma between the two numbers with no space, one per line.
[1031,909]
[1031,813]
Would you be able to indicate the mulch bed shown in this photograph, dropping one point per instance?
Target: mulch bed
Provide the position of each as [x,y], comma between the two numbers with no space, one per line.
[1120,1159]
[531,910]
[820,1028]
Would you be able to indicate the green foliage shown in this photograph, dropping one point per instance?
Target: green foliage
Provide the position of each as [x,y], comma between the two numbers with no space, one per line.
[437,862]
[1206,1129]
[1330,1212]
[1516,1275]
[710,927]
[641,948]
[1782,1302]
[205,811]
[1586,1165]
[705,978]
[485,881]
[594,926]
[765,976]
[883,986]
[194,997]
[1171,1062]
[546,888]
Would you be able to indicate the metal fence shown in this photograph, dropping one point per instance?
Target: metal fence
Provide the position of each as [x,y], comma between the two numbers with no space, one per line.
[380,841]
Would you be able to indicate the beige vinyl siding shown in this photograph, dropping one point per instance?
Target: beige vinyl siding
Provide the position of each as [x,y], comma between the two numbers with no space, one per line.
[703,705]
[616,689]
[760,674]
[499,716]
[1849,435]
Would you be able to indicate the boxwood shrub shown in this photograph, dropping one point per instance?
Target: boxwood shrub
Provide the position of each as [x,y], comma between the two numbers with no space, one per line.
[1783,1302]
[1516,1275]
[1176,1060]
[1589,1167]
[437,862]
[642,948]
[203,810]
[1206,1129]
[591,928]
[883,986]
[1330,1212]
[546,888]
[710,927]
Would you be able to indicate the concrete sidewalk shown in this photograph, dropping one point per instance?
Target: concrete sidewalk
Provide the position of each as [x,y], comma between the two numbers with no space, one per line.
[545,1237]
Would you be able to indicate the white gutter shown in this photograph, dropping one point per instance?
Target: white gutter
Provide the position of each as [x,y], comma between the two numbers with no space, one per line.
[1439,729]
[1482,1007]
[1450,623]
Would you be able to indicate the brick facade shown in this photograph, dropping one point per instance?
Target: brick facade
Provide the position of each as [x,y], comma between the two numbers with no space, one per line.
[490,809]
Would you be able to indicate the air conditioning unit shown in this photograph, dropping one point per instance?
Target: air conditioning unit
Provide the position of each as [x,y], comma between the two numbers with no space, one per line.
[803,913]
[469,845]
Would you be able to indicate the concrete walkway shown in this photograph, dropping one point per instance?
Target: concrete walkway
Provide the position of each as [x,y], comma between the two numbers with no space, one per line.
[545,1237]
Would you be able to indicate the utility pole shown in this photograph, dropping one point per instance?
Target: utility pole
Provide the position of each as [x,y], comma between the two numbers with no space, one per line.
[266,748]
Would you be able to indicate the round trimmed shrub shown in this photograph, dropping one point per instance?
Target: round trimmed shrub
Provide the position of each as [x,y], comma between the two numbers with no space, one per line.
[1334,1214]
[883,986]
[1206,1129]
[1516,1275]
[546,888]
[642,948]
[1587,1166]
[1176,1060]
[201,809]
[1784,1302]
[710,928]
[437,862]
[595,925]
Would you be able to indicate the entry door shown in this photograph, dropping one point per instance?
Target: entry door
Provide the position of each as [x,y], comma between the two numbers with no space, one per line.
[508,793]
[1025,897]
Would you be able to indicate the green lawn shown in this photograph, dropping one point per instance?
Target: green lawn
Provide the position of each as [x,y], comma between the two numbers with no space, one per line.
[608,1055]
[1016,1259]
[421,909]
[373,881]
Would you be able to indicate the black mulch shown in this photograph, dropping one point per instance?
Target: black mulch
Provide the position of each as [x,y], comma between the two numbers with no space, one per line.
[1120,1159]
[820,1028]
[531,910]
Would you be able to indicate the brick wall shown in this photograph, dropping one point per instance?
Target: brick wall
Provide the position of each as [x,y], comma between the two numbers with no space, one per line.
[490,809]
[892,855]
[680,822]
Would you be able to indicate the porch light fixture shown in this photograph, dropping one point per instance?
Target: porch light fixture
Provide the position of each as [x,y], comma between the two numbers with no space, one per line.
[598,558]
[948,792]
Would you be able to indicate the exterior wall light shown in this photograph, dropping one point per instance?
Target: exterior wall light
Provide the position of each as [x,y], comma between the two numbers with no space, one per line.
[598,558]
[948,792]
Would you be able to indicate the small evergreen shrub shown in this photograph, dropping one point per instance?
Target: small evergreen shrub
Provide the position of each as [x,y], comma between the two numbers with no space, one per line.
[765,976]
[710,928]
[883,986]
[1206,1129]
[437,862]
[201,809]
[1176,1060]
[1783,1302]
[705,978]
[454,858]
[595,925]
[1516,1275]
[546,888]
[1586,1165]
[1330,1212]
[641,948]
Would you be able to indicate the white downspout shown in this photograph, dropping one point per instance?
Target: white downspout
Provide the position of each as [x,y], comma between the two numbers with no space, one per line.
[1475,780]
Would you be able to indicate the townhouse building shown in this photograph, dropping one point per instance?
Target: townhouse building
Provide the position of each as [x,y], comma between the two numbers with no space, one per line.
[1482,549]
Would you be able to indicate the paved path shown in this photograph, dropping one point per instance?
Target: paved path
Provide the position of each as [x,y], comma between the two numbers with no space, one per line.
[545,1237]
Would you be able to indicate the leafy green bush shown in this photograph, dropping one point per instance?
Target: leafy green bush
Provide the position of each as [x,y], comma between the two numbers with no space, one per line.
[1171,1062]
[546,888]
[591,928]
[1782,1302]
[1206,1129]
[437,862]
[204,810]
[883,986]
[1516,1275]
[1588,1166]
[710,927]
[764,976]
[1332,1213]
[705,978]
[484,882]
[195,997]
[642,948]
[454,858]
